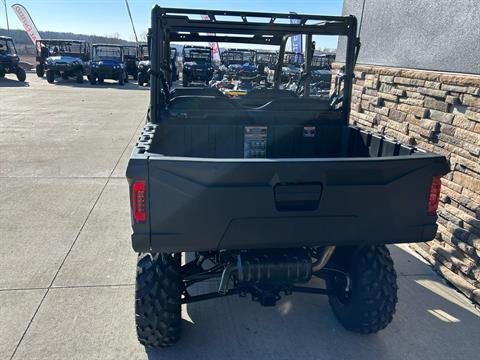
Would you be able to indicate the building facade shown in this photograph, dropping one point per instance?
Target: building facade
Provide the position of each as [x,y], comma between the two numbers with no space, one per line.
[418,80]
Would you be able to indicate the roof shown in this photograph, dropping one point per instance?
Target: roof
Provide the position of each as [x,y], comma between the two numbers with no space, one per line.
[227,26]
[61,41]
[112,45]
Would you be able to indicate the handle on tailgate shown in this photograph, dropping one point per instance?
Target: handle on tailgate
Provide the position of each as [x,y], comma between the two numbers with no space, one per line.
[297,196]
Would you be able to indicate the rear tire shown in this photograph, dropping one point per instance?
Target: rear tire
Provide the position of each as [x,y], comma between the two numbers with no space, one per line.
[50,76]
[370,304]
[21,74]
[79,77]
[40,70]
[92,79]
[121,79]
[158,299]
[2,73]
[185,82]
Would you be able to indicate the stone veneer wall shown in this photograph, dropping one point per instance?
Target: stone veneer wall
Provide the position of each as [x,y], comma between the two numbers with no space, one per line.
[439,112]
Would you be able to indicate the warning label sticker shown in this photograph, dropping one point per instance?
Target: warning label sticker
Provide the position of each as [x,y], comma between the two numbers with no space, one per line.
[255,142]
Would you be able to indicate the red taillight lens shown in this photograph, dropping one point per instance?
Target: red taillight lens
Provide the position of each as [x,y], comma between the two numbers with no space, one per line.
[434,197]
[138,201]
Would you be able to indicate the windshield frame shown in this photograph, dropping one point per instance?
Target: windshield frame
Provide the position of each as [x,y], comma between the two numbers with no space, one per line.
[196,50]
[8,44]
[96,57]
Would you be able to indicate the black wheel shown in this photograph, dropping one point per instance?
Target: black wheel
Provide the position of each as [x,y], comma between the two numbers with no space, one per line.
[2,73]
[366,303]
[135,75]
[121,79]
[50,76]
[21,74]
[92,79]
[101,80]
[185,82]
[40,70]
[157,299]
[79,77]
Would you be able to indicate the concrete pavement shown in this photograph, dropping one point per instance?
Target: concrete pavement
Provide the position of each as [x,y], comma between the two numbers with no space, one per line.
[67,268]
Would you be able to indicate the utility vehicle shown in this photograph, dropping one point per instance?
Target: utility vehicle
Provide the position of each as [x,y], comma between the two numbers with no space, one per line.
[173,59]
[265,60]
[107,63]
[130,57]
[265,191]
[143,65]
[65,58]
[197,65]
[9,59]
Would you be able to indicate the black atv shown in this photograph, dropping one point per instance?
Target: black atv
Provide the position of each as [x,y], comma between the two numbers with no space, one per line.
[130,56]
[9,59]
[64,58]
[197,65]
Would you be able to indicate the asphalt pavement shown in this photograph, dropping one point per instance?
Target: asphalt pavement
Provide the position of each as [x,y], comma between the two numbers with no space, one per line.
[67,270]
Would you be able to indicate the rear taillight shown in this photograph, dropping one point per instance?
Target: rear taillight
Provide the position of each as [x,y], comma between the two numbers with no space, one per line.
[434,197]
[138,201]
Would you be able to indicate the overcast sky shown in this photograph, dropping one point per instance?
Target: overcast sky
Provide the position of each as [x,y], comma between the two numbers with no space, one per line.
[109,17]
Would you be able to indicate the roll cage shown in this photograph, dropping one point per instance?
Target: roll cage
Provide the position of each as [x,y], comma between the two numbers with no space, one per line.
[201,52]
[61,47]
[293,58]
[238,56]
[143,52]
[184,25]
[130,51]
[266,58]
[7,46]
[112,46]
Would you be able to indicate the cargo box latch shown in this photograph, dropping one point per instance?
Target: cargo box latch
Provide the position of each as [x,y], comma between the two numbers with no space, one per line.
[297,196]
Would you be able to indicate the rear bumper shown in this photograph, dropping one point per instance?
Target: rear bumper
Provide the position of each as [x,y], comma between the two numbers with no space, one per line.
[208,204]
[113,74]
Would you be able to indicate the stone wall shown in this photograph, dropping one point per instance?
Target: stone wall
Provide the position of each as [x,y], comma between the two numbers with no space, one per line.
[439,112]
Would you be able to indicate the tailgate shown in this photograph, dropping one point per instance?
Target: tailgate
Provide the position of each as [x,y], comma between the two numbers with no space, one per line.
[206,204]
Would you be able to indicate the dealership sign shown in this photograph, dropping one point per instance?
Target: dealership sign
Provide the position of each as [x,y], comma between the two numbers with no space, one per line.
[296,40]
[27,22]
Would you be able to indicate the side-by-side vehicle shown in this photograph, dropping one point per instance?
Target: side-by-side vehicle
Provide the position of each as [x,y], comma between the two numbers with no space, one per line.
[9,60]
[197,65]
[259,194]
[64,58]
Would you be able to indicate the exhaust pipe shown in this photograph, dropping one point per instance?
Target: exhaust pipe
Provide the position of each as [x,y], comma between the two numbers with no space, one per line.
[326,255]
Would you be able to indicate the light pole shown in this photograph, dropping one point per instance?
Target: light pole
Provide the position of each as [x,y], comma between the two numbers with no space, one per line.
[6,15]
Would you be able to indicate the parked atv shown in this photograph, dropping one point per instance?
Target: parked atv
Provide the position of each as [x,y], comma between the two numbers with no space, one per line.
[197,65]
[130,56]
[9,59]
[143,75]
[267,191]
[107,63]
[64,58]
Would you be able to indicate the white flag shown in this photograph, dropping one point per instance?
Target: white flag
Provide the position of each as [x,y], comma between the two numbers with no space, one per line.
[27,22]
